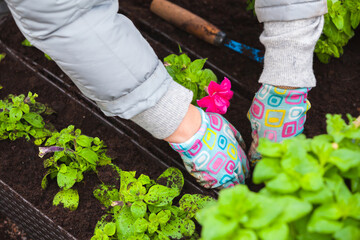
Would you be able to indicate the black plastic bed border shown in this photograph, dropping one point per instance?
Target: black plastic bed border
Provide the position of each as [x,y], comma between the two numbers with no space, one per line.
[36,225]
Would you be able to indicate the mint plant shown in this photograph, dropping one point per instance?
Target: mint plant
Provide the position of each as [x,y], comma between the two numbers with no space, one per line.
[20,116]
[312,190]
[190,74]
[73,155]
[143,208]
[342,19]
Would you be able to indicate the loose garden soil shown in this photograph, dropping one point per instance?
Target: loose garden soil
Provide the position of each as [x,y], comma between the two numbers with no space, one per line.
[337,91]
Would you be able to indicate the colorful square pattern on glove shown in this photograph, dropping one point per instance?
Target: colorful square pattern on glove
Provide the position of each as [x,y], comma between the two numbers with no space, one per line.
[213,155]
[277,114]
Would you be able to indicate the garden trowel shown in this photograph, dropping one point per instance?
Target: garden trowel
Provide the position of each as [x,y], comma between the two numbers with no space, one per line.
[201,28]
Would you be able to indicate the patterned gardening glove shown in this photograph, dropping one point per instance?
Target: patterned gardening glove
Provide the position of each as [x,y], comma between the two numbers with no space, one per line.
[213,155]
[276,114]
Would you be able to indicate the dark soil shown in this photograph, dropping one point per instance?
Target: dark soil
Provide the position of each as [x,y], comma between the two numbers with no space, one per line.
[10,231]
[337,92]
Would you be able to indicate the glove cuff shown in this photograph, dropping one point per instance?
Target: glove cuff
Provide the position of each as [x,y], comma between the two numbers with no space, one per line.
[289,52]
[165,117]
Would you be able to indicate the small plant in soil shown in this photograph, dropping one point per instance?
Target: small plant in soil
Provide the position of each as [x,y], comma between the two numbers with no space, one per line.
[143,208]
[20,116]
[312,191]
[190,74]
[74,154]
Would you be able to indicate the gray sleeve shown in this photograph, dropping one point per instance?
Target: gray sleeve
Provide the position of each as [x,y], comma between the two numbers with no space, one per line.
[107,58]
[289,50]
[288,10]
[100,50]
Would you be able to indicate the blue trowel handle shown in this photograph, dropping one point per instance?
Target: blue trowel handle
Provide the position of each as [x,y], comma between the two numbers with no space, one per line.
[252,53]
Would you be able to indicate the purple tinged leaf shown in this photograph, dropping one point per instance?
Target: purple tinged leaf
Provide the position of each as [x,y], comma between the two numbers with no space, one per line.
[45,150]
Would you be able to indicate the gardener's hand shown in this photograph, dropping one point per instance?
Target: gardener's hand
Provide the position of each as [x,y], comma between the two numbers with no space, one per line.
[213,154]
[277,114]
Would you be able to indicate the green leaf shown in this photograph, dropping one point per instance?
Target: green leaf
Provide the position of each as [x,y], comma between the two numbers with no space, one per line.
[34,119]
[106,194]
[69,198]
[26,43]
[47,57]
[89,155]
[345,159]
[153,227]
[269,149]
[84,141]
[172,178]
[2,56]
[266,169]
[141,225]
[196,65]
[163,216]
[294,208]
[110,229]
[138,209]
[125,223]
[335,126]
[126,178]
[348,232]
[187,227]
[159,195]
[184,60]
[173,228]
[355,19]
[215,226]
[324,219]
[263,215]
[15,114]
[44,181]
[312,181]
[66,177]
[283,183]
[144,179]
[245,234]
[323,195]
[191,203]
[278,231]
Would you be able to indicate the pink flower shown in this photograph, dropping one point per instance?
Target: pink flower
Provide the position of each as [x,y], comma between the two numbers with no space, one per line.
[219,96]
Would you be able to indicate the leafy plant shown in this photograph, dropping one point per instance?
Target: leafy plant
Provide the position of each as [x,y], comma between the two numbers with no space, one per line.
[312,191]
[143,208]
[20,116]
[342,19]
[26,43]
[74,154]
[190,74]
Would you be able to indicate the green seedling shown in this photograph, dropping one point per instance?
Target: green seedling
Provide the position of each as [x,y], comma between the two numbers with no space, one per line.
[73,155]
[190,74]
[20,116]
[143,208]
